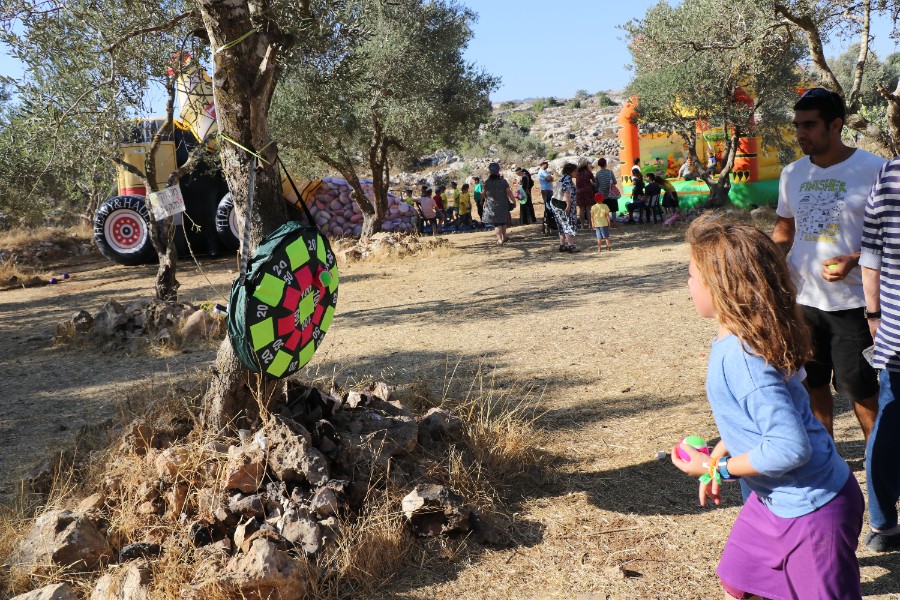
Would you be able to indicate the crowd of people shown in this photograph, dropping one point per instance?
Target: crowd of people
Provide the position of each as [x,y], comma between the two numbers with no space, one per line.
[570,203]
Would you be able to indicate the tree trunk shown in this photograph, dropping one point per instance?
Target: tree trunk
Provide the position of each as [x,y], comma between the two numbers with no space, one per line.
[371,225]
[162,234]
[893,117]
[244,83]
[380,181]
[719,191]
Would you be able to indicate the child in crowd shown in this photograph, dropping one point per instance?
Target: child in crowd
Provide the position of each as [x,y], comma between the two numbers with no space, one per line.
[478,194]
[464,206]
[409,197]
[439,204]
[427,211]
[451,201]
[670,196]
[600,221]
[798,530]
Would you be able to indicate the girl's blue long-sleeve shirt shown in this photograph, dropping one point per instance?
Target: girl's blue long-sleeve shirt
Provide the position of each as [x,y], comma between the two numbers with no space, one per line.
[759,412]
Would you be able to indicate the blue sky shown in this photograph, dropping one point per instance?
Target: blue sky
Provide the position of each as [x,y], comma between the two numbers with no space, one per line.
[555,49]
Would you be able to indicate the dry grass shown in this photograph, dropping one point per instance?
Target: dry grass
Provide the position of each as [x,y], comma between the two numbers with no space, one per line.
[22,237]
[371,544]
[12,275]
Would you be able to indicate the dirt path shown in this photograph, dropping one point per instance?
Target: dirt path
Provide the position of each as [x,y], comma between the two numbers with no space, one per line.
[612,340]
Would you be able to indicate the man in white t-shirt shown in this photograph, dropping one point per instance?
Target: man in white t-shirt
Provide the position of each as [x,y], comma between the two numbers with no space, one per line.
[821,204]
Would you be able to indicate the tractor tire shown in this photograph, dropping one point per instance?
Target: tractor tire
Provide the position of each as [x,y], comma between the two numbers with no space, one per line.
[226,224]
[122,231]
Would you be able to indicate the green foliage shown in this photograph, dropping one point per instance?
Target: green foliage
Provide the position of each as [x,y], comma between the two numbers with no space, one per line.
[551,101]
[389,94]
[508,104]
[86,78]
[539,105]
[604,100]
[523,119]
[582,95]
[574,103]
[872,105]
[505,140]
[42,183]
[712,50]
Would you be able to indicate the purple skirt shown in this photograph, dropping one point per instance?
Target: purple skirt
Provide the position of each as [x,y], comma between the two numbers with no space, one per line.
[813,556]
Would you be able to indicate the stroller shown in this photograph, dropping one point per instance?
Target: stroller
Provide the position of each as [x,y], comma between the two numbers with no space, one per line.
[548,223]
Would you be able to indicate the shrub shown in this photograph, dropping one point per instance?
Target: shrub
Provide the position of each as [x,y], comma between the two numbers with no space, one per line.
[523,119]
[574,104]
[508,104]
[582,95]
[603,99]
[539,105]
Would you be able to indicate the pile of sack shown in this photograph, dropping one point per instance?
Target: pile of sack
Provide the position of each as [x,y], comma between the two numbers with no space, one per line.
[337,214]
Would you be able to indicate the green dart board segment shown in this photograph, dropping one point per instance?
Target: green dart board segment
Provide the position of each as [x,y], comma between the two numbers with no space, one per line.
[279,313]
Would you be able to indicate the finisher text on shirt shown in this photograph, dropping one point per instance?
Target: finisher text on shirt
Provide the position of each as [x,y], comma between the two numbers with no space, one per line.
[824,185]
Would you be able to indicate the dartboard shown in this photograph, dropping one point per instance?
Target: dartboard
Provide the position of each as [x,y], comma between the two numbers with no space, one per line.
[288,301]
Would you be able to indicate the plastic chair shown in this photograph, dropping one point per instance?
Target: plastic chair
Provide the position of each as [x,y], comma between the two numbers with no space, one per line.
[654,208]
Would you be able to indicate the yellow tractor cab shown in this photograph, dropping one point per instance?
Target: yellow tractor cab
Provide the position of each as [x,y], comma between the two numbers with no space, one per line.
[122,223]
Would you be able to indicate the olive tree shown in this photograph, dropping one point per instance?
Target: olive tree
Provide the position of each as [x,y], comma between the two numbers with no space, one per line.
[400,85]
[87,70]
[698,61]
[819,20]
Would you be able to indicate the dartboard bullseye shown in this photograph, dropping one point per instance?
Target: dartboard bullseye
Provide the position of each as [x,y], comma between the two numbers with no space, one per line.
[286,303]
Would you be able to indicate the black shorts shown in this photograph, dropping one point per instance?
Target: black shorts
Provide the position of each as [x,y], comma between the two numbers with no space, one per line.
[613,204]
[839,338]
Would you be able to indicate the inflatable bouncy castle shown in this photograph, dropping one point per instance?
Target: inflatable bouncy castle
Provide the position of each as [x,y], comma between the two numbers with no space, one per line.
[754,178]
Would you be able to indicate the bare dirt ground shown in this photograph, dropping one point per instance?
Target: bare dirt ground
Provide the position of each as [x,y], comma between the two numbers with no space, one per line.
[611,343]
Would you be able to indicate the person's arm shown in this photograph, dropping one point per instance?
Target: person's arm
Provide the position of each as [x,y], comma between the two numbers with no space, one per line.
[871,253]
[872,288]
[783,233]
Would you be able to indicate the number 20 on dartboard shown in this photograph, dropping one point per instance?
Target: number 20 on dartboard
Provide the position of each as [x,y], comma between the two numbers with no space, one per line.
[261,311]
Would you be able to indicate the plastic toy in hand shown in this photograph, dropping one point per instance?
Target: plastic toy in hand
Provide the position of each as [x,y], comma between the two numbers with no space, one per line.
[694,441]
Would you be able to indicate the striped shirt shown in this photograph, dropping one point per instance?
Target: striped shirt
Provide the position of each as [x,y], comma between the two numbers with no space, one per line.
[602,180]
[881,251]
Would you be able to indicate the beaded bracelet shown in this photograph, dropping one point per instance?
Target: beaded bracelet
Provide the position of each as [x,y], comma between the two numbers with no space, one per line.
[712,475]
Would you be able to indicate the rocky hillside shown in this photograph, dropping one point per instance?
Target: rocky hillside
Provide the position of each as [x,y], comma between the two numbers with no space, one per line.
[568,130]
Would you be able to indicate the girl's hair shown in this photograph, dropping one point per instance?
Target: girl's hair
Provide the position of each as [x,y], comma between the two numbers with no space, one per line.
[464,188]
[568,168]
[751,288]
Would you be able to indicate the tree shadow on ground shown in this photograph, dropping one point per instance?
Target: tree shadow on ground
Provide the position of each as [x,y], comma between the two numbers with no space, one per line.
[885,583]
[502,300]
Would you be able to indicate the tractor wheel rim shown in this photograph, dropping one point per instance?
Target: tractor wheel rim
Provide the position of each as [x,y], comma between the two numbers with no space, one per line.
[125,231]
[232,223]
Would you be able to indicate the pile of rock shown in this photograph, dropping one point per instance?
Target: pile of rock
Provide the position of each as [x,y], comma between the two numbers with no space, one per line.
[337,214]
[254,511]
[581,130]
[130,326]
[399,244]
